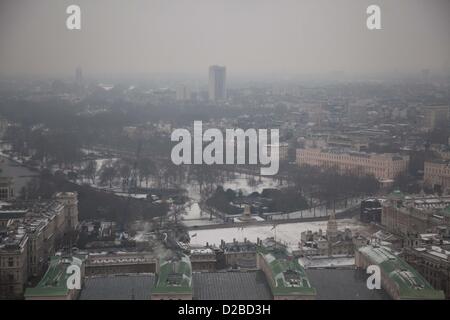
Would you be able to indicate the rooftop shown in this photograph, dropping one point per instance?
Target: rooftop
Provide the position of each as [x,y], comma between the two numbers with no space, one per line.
[118,287]
[251,285]
[13,239]
[408,281]
[54,281]
[174,276]
[288,275]
[343,284]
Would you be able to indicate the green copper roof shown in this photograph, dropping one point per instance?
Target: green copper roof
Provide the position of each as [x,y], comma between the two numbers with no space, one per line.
[397,194]
[410,283]
[289,277]
[446,211]
[174,277]
[54,281]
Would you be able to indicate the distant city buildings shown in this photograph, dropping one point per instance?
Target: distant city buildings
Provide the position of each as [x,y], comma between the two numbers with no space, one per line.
[217,89]
[282,148]
[183,93]
[436,175]
[381,166]
[403,214]
[435,116]
[354,143]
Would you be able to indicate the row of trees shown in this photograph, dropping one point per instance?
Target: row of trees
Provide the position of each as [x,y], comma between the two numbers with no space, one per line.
[284,200]
[93,204]
[133,174]
[58,147]
[329,184]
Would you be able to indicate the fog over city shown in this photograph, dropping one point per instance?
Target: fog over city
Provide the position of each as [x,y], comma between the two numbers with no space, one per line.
[249,37]
[225,150]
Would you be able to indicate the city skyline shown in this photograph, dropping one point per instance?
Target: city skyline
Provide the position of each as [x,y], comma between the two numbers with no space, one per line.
[224,150]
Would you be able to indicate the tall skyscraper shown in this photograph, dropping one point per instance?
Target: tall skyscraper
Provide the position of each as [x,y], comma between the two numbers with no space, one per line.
[79,75]
[217,83]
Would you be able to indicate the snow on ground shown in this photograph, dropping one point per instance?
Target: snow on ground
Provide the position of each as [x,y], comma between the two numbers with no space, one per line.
[327,262]
[194,223]
[254,218]
[101,162]
[194,212]
[132,195]
[194,216]
[288,233]
[241,183]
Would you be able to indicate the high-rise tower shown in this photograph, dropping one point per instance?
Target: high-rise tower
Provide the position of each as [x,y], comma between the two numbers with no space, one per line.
[217,83]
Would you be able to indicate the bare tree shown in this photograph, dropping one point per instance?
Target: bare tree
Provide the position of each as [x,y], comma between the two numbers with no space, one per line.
[90,170]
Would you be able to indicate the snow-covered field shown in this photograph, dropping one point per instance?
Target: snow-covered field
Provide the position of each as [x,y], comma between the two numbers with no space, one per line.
[241,183]
[132,195]
[288,233]
[326,262]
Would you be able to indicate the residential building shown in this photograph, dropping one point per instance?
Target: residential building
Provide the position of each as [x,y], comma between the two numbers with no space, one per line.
[203,259]
[239,254]
[436,175]
[13,262]
[32,231]
[381,166]
[414,214]
[435,116]
[433,263]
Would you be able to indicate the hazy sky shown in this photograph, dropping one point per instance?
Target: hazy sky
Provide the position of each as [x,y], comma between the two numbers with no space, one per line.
[248,36]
